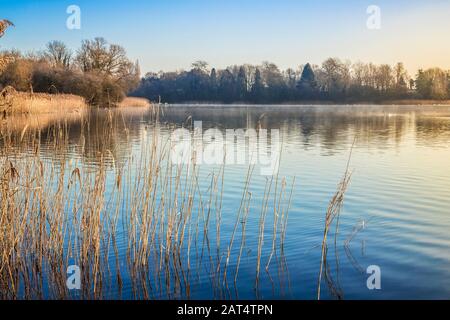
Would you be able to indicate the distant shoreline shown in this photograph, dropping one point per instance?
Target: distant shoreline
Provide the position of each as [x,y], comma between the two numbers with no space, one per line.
[424,103]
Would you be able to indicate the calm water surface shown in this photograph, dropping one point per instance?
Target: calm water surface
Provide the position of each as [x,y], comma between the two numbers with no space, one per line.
[399,192]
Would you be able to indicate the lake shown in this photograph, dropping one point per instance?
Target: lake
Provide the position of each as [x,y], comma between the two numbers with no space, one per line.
[210,231]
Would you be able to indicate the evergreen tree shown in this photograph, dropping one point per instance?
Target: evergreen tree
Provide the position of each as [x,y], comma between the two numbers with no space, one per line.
[213,85]
[423,85]
[257,92]
[307,84]
[241,85]
[226,86]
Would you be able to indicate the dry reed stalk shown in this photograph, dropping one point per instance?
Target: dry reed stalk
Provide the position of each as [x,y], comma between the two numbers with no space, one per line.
[59,211]
[333,212]
[242,208]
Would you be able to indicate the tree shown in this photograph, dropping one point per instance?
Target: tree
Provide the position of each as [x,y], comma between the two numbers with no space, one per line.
[197,81]
[275,84]
[258,88]
[109,62]
[241,84]
[448,83]
[423,84]
[384,77]
[18,74]
[100,57]
[226,86]
[401,78]
[307,84]
[400,74]
[290,78]
[213,84]
[336,76]
[200,65]
[412,84]
[130,77]
[432,84]
[334,79]
[58,55]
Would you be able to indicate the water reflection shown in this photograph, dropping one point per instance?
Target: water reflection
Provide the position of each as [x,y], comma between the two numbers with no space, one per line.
[401,185]
[326,126]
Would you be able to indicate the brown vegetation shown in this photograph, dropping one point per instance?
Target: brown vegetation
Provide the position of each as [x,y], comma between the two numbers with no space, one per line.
[55,212]
[99,72]
[12,102]
[134,102]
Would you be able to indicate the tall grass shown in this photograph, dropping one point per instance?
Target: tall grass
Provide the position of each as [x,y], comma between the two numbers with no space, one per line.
[13,103]
[332,216]
[134,102]
[64,210]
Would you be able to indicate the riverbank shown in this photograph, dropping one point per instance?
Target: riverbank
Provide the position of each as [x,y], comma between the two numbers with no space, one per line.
[410,102]
[23,103]
[13,102]
[134,102]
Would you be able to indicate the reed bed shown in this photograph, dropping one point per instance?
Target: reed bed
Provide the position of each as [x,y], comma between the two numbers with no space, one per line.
[139,227]
[134,102]
[12,102]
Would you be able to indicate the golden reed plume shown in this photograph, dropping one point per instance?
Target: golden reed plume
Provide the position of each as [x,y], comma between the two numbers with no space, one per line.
[4,24]
[5,60]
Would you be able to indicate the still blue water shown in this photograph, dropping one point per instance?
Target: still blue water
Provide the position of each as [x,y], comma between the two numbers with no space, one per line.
[397,201]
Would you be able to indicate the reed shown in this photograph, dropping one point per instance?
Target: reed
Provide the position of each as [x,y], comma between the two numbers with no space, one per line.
[12,102]
[332,216]
[61,211]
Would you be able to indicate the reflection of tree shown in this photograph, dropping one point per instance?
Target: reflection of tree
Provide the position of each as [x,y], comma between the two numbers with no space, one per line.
[327,126]
[432,129]
[102,134]
[113,132]
[106,134]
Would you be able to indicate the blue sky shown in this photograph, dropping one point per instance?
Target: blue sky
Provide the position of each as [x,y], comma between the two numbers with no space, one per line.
[171,34]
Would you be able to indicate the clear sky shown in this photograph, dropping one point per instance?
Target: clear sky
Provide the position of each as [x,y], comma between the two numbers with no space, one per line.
[171,34]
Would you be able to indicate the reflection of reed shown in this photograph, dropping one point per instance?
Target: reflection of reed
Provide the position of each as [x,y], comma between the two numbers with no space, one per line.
[360,226]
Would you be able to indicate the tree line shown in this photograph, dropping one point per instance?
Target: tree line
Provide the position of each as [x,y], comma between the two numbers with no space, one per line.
[103,74]
[99,71]
[334,80]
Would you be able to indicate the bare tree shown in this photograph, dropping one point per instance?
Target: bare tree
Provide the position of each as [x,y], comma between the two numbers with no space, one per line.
[58,54]
[200,65]
[336,75]
[107,59]
[384,77]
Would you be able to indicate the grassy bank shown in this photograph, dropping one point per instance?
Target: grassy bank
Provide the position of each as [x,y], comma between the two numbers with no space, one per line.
[134,102]
[403,102]
[12,102]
